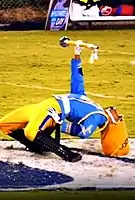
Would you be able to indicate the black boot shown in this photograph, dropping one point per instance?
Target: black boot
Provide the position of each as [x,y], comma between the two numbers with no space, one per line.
[20,136]
[49,143]
[57,133]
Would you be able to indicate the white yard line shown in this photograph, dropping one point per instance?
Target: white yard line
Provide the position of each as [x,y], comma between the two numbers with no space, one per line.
[118,52]
[33,87]
[61,90]
[65,90]
[105,50]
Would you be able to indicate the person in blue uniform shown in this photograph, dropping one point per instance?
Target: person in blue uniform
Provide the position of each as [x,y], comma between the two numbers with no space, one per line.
[83,115]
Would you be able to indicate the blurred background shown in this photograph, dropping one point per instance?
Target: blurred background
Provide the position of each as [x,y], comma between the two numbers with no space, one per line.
[83,14]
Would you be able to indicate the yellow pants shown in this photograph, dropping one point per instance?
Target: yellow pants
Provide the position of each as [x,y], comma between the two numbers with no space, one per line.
[31,118]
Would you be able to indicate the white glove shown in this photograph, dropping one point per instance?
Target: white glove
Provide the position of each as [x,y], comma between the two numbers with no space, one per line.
[91,59]
[95,54]
[78,49]
[54,115]
[95,57]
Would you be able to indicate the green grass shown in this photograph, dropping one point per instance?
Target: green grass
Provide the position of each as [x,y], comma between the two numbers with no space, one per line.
[36,59]
[94,195]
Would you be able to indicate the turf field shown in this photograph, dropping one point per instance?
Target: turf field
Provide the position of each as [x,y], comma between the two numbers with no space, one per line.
[95,195]
[33,66]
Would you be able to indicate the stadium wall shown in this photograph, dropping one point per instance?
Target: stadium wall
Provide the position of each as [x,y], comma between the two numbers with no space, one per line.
[31,15]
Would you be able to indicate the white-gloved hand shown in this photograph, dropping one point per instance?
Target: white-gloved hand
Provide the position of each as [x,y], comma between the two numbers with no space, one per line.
[91,59]
[95,54]
[52,112]
[78,48]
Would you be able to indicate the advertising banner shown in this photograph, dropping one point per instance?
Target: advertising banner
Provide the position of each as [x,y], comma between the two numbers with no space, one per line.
[86,10]
[58,15]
